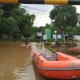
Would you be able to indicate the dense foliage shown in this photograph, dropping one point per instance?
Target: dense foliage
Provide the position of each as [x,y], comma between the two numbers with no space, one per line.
[15,23]
[64,19]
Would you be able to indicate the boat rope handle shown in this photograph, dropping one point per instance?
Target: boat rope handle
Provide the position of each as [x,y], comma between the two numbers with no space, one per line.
[65,2]
[40,60]
[74,77]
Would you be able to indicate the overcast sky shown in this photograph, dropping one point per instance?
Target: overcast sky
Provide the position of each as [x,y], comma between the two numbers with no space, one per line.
[42,13]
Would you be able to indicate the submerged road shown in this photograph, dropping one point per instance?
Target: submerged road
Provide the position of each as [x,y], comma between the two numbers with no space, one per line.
[16,61]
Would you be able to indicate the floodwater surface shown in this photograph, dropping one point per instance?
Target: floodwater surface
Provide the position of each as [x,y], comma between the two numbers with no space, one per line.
[16,61]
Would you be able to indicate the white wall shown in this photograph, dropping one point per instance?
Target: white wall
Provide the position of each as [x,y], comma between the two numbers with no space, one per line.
[77,37]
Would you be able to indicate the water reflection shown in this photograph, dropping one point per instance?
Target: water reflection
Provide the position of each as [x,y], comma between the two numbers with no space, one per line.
[39,47]
[15,62]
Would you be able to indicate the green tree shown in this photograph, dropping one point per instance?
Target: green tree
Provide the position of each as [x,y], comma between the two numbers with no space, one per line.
[27,24]
[1,17]
[14,21]
[76,30]
[7,8]
[64,18]
[24,20]
[10,28]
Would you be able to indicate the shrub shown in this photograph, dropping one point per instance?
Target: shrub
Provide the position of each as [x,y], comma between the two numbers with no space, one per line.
[47,43]
[32,38]
[74,51]
[50,40]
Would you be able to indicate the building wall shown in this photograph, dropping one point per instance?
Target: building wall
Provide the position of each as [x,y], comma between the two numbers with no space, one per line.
[77,37]
[78,23]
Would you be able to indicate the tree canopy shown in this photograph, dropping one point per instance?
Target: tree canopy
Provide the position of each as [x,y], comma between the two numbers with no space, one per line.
[64,18]
[15,22]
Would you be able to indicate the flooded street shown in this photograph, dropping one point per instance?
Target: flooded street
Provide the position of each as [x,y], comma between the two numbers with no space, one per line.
[16,61]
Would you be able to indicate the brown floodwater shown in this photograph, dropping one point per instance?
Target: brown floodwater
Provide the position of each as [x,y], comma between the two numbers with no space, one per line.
[16,61]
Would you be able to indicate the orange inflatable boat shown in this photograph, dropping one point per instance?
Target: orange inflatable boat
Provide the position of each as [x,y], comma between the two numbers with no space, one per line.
[57,65]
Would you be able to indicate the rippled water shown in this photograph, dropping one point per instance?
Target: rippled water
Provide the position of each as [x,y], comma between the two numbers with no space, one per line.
[16,61]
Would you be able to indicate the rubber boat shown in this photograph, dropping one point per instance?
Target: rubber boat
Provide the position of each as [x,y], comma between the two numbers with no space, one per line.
[57,65]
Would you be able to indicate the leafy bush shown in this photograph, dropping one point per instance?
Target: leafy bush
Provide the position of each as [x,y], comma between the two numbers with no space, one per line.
[47,43]
[50,40]
[32,38]
[73,51]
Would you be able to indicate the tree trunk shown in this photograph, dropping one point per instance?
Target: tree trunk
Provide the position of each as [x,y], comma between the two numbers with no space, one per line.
[63,37]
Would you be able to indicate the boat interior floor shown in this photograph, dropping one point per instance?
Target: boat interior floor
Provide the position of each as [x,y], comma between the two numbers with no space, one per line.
[50,57]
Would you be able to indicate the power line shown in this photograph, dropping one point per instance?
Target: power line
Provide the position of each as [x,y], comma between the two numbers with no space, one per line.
[39,10]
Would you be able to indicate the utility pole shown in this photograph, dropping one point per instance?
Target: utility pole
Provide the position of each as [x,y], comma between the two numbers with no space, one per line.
[55,36]
[65,2]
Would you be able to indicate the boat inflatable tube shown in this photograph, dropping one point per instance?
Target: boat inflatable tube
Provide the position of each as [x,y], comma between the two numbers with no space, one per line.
[57,65]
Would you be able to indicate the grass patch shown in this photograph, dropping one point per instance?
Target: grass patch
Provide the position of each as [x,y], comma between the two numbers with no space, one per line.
[49,48]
